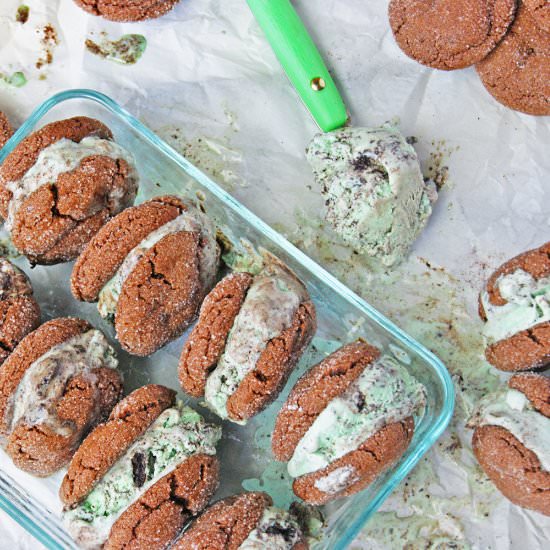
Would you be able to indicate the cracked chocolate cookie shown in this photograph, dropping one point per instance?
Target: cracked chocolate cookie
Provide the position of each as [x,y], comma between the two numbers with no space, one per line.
[517,72]
[511,441]
[251,332]
[135,10]
[137,479]
[346,420]
[515,306]
[19,312]
[6,130]
[450,34]
[61,184]
[540,10]
[149,268]
[58,383]
[248,520]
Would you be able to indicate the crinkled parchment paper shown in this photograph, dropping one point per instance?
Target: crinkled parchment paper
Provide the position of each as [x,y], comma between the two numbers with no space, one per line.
[209,84]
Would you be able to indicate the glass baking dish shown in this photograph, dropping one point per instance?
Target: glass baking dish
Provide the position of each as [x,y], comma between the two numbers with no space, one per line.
[244,451]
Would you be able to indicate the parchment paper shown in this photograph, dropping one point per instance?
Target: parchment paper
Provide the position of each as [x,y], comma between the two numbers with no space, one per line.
[209,84]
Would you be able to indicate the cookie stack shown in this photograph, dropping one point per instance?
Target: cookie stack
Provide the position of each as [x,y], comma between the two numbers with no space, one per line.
[511,438]
[507,40]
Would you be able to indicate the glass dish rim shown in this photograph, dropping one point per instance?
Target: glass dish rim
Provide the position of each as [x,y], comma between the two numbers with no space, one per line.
[434,431]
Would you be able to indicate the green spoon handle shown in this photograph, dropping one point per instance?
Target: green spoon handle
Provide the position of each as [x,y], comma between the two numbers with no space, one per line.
[301,61]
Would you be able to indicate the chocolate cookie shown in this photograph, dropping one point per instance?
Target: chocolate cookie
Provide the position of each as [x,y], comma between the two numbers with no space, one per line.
[137,479]
[510,440]
[61,184]
[6,130]
[19,312]
[58,383]
[450,34]
[517,72]
[515,306]
[135,10]
[149,268]
[249,519]
[373,396]
[250,334]
[540,10]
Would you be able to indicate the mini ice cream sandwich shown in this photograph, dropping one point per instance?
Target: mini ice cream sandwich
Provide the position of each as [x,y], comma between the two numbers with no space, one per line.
[138,478]
[515,306]
[59,382]
[511,440]
[243,522]
[61,184]
[19,312]
[346,420]
[251,332]
[149,268]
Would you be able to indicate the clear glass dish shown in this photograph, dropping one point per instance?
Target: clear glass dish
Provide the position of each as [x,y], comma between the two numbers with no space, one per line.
[244,451]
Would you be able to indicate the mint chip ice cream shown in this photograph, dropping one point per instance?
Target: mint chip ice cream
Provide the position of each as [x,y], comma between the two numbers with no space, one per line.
[527,305]
[375,195]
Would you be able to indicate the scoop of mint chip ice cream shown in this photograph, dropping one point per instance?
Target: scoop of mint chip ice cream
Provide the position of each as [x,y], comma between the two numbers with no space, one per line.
[375,195]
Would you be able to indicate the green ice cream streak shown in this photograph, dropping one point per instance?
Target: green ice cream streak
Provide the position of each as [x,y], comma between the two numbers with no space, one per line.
[177,434]
[276,530]
[510,409]
[267,311]
[190,220]
[375,194]
[528,304]
[384,393]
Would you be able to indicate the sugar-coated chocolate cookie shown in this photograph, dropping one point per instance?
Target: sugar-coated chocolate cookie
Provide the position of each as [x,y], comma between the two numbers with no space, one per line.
[137,479]
[540,10]
[515,306]
[373,396]
[511,442]
[61,184]
[251,332]
[517,72]
[58,383]
[127,10]
[248,520]
[6,130]
[450,34]
[149,268]
[19,312]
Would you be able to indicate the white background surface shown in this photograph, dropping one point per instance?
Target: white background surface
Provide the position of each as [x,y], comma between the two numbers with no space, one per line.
[210,85]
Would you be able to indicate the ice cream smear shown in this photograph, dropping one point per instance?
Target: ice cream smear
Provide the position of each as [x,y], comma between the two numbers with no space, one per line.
[268,309]
[276,530]
[375,195]
[527,304]
[193,220]
[45,381]
[510,409]
[65,156]
[177,434]
[384,393]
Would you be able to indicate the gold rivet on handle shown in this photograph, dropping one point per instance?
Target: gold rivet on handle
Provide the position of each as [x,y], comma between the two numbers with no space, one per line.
[318,83]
